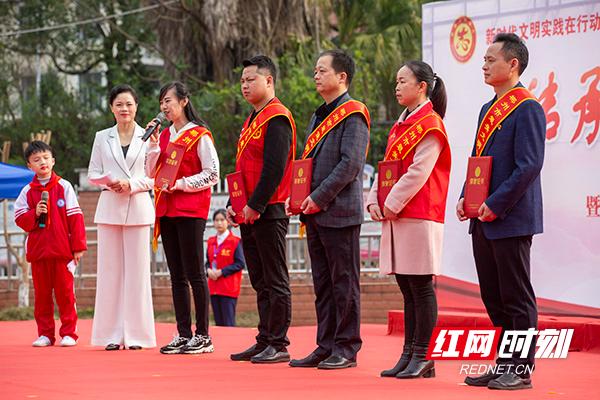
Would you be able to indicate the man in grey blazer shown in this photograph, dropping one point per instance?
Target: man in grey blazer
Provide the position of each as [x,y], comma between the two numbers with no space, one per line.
[333,213]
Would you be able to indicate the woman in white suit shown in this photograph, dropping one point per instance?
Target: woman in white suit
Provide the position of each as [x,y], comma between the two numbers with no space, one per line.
[123,315]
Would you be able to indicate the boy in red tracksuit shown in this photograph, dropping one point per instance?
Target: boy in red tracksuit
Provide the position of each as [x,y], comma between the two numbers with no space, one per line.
[56,240]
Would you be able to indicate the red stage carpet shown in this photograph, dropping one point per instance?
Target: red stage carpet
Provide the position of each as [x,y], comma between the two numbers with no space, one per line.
[460,305]
[84,372]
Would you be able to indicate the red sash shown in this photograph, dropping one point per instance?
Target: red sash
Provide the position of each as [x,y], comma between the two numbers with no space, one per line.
[186,140]
[399,146]
[497,113]
[341,112]
[254,131]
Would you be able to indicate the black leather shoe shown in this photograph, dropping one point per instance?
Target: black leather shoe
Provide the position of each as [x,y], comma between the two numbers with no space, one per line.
[310,361]
[112,346]
[510,381]
[481,380]
[401,364]
[336,362]
[247,354]
[418,366]
[135,347]
[270,355]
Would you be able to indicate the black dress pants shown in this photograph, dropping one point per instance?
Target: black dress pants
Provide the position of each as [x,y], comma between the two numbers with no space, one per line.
[183,241]
[264,249]
[503,269]
[335,262]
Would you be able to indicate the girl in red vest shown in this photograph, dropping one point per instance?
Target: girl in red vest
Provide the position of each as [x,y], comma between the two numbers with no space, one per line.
[224,264]
[182,210]
[413,211]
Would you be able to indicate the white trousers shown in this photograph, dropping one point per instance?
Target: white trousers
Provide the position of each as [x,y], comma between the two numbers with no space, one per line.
[123,313]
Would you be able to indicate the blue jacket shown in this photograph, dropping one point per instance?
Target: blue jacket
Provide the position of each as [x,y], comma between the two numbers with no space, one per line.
[517,148]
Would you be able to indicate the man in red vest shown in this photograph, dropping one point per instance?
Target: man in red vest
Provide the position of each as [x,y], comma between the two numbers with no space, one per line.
[265,150]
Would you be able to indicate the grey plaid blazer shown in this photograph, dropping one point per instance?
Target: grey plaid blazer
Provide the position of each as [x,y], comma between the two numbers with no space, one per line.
[338,162]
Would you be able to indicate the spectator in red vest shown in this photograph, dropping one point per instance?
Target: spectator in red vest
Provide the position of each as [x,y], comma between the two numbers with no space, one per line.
[182,210]
[412,214]
[224,264]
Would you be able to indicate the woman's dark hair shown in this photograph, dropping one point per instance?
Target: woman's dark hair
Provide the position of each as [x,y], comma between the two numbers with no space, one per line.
[182,92]
[220,211]
[436,90]
[117,90]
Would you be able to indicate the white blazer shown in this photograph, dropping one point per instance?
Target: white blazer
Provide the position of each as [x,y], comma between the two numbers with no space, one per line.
[135,207]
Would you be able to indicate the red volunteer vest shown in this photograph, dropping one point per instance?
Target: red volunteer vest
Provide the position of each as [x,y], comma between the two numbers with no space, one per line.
[249,159]
[430,201]
[180,203]
[224,286]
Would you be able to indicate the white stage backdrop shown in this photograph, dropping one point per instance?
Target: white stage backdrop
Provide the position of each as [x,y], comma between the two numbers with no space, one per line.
[563,38]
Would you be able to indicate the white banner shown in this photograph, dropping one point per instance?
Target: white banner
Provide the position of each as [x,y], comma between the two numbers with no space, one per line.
[563,38]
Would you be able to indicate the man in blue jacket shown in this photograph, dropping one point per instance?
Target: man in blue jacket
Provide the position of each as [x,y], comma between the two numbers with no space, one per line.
[512,213]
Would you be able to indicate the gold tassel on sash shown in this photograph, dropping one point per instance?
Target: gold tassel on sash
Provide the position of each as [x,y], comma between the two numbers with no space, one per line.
[302,230]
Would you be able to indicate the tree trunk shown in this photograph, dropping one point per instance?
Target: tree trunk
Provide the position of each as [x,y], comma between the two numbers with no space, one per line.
[209,38]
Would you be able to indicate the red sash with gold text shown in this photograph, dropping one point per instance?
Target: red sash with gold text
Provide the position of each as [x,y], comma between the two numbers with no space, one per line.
[497,113]
[400,145]
[342,112]
[254,131]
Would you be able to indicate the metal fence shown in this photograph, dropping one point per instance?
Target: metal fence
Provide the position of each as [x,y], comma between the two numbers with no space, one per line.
[297,254]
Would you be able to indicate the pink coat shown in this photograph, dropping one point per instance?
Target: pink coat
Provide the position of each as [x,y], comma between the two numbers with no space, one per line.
[409,245]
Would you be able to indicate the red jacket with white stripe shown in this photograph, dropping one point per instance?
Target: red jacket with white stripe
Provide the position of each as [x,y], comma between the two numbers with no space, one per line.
[64,233]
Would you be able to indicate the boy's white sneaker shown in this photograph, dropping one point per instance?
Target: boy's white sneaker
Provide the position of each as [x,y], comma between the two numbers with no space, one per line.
[42,341]
[68,341]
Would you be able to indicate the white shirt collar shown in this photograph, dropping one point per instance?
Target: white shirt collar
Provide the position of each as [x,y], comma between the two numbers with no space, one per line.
[175,134]
[221,237]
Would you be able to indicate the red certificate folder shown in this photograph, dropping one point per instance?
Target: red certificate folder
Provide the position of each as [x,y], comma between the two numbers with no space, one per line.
[167,173]
[237,194]
[477,185]
[301,180]
[389,173]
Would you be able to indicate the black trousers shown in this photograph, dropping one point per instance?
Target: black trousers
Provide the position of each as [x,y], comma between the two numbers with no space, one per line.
[264,250]
[223,309]
[335,262]
[503,269]
[183,241]
[420,308]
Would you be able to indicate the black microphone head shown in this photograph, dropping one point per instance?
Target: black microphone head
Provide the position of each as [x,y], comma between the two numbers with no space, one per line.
[45,196]
[160,117]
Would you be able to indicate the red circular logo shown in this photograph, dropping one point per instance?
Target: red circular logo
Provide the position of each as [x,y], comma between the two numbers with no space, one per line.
[463,39]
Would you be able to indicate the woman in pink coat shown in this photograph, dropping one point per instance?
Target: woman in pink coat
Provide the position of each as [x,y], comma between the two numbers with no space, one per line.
[412,214]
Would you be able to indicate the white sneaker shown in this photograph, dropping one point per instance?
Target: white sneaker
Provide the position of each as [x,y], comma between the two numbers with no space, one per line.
[42,341]
[68,341]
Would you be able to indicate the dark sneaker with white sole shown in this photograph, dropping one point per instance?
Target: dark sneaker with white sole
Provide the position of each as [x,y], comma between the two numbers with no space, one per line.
[197,345]
[175,346]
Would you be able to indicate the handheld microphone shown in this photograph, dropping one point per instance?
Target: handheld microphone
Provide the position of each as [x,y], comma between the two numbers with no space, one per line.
[43,217]
[160,117]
